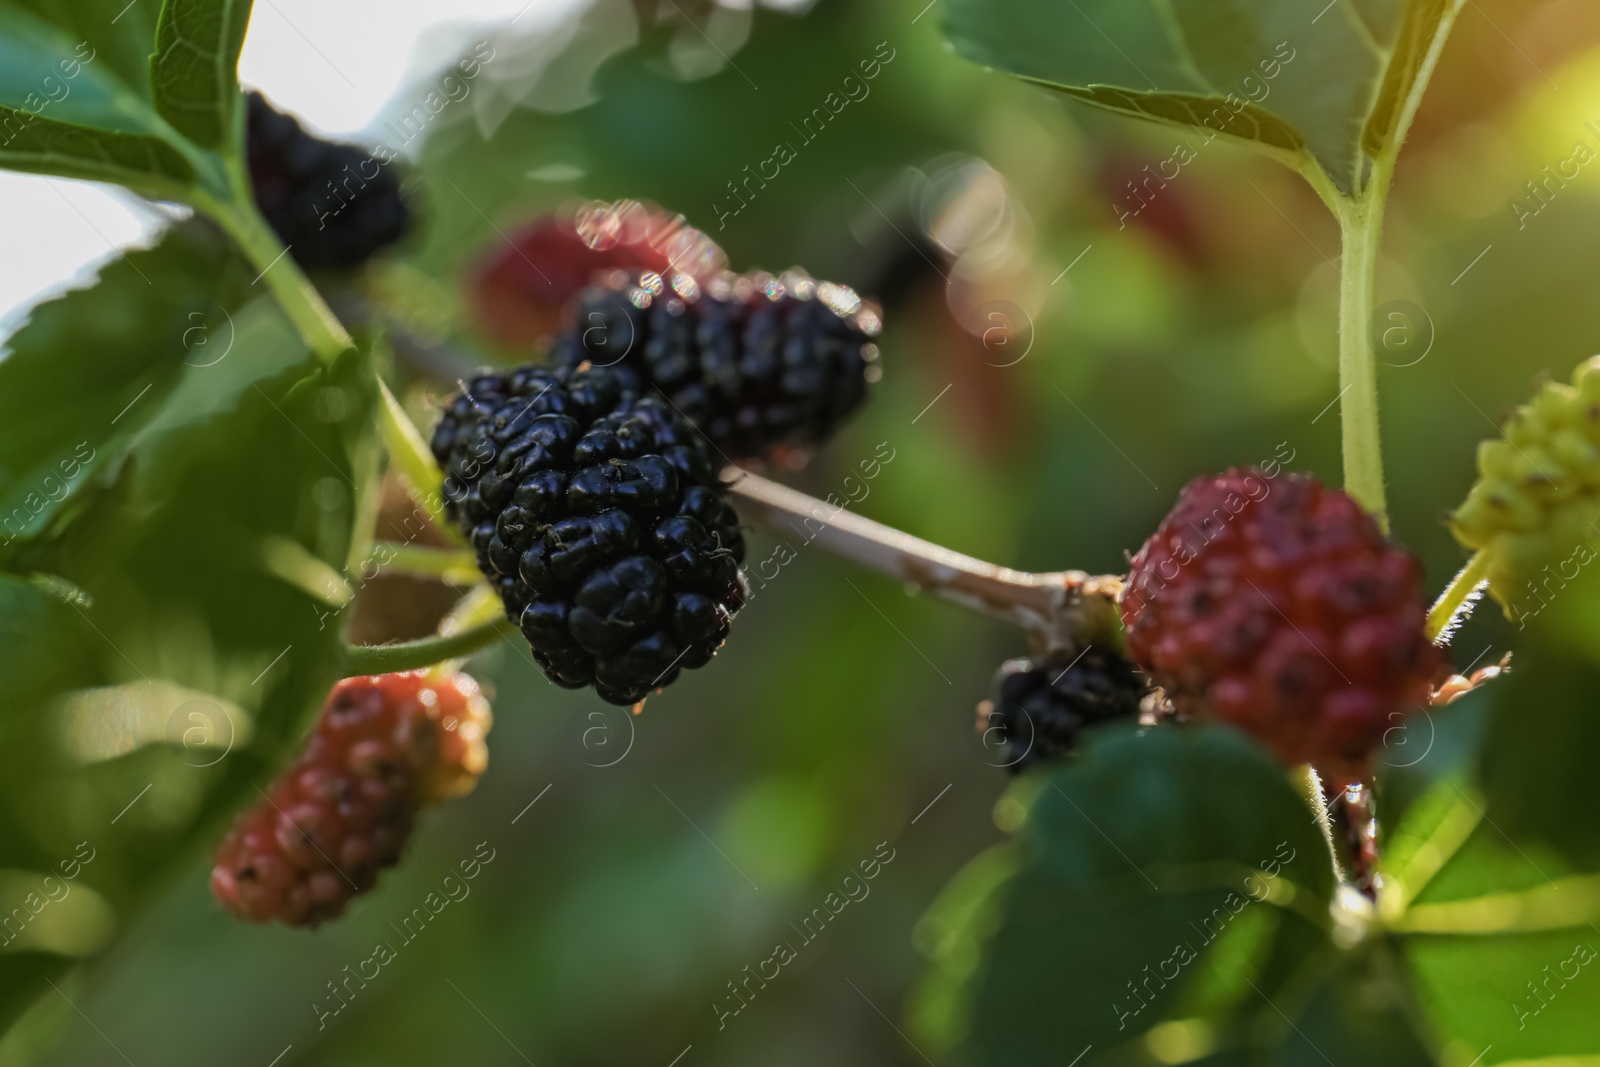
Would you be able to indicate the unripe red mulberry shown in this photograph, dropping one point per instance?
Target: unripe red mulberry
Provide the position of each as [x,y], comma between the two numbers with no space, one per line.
[522,287]
[382,748]
[1278,605]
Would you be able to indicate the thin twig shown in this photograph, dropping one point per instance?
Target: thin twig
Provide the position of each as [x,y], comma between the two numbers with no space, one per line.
[1061,609]
[424,652]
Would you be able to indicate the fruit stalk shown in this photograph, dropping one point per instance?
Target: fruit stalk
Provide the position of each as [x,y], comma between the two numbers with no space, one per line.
[1309,785]
[363,660]
[1063,609]
[1457,597]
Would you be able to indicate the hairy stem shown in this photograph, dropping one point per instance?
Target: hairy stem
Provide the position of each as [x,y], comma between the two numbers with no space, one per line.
[1360,228]
[1061,609]
[1309,785]
[424,652]
[1458,597]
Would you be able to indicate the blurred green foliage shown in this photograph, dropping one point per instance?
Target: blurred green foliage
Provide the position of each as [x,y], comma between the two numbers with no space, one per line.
[169,612]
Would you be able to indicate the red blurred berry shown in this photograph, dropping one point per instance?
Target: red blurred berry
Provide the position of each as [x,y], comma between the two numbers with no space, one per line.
[383,747]
[1277,605]
[520,290]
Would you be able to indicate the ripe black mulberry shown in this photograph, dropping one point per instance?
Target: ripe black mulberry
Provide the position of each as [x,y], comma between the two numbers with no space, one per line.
[599,517]
[755,362]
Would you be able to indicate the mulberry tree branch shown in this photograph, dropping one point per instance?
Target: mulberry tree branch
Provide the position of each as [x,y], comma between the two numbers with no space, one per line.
[1061,609]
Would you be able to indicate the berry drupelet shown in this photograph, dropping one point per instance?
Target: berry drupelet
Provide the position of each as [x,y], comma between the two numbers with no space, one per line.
[598,516]
[755,362]
[1045,704]
[1278,605]
[333,205]
[382,748]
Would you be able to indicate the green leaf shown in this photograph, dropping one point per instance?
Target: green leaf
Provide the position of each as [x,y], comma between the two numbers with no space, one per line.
[39,636]
[118,32]
[1495,891]
[1540,754]
[151,316]
[1147,893]
[194,69]
[951,935]
[1501,914]
[42,146]
[1331,85]
[202,563]
[1362,1013]
[64,112]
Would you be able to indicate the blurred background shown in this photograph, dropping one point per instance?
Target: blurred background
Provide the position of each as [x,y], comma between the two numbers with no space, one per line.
[1061,354]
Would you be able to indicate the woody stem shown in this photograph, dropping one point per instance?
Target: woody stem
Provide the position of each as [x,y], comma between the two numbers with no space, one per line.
[1061,608]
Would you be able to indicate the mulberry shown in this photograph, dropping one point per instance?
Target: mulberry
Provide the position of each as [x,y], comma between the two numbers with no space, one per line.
[382,748]
[1046,703]
[1537,500]
[334,206]
[598,516]
[522,287]
[1278,605]
[755,362]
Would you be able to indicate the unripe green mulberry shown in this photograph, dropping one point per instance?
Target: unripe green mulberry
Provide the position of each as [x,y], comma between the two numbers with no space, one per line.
[1534,509]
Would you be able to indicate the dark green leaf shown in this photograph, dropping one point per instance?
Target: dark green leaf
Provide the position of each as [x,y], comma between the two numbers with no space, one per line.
[1277,72]
[92,366]
[194,70]
[1129,909]
[39,634]
[139,161]
[1439,744]
[204,566]
[1497,889]
[1363,1013]
[1499,915]
[1540,752]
